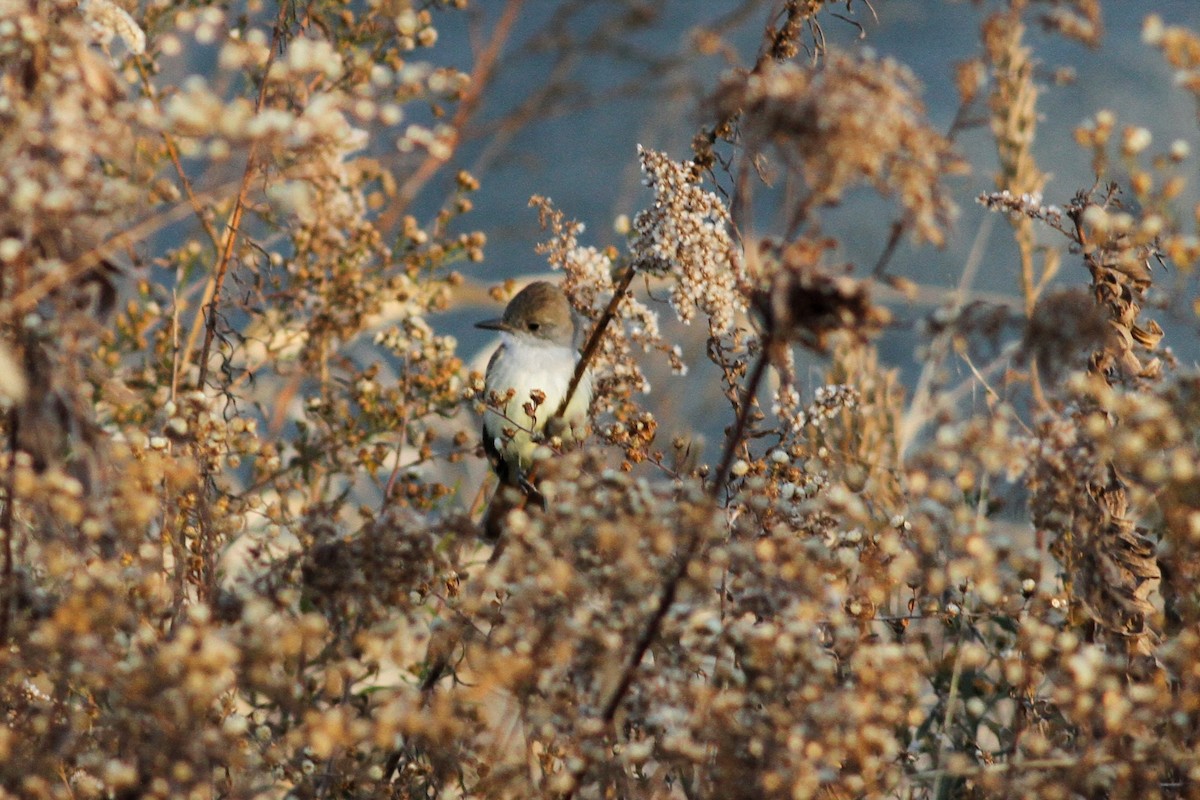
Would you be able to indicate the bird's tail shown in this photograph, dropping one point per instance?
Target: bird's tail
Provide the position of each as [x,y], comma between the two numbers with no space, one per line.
[507,498]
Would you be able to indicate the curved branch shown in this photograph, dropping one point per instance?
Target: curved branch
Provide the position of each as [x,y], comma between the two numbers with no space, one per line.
[235,218]
[743,419]
[670,589]
[593,342]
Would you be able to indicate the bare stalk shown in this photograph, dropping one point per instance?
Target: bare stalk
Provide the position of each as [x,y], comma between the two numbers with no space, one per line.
[6,528]
[593,342]
[743,420]
[902,225]
[232,227]
[670,588]
[10,482]
[481,75]
[666,599]
[28,296]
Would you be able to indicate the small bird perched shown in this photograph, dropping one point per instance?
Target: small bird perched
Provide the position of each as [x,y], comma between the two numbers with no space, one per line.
[536,359]
[530,372]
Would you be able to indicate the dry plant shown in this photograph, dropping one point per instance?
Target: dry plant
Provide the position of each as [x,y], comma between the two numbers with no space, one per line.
[237,551]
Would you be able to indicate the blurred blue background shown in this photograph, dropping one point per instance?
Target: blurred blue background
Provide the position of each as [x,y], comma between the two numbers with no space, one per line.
[590,81]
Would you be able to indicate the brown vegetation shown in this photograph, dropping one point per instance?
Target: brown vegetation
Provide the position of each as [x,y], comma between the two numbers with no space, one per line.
[239,543]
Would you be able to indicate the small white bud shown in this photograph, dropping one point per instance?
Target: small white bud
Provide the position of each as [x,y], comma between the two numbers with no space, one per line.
[1153,30]
[1136,140]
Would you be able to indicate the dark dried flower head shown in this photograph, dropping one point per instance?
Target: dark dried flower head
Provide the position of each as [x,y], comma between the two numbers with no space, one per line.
[802,300]
[1066,327]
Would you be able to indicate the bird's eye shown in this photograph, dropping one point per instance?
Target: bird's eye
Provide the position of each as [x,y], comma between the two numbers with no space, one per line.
[533,326]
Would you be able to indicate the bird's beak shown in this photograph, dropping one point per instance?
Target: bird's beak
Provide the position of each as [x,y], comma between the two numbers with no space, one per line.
[497,324]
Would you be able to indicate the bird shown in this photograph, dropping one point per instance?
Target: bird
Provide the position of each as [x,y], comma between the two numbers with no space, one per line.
[527,380]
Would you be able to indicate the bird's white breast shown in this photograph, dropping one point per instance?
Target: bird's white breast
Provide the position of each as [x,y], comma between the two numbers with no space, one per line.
[524,364]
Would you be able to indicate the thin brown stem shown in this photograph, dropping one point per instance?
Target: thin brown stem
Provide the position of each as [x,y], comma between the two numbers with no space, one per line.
[779,44]
[670,588]
[481,75]
[889,249]
[233,226]
[26,297]
[743,420]
[231,231]
[198,209]
[593,342]
[403,426]
[666,599]
[902,225]
[6,528]
[10,483]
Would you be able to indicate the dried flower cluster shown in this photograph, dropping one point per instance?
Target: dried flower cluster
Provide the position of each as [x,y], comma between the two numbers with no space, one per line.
[589,280]
[850,120]
[686,232]
[240,552]
[799,300]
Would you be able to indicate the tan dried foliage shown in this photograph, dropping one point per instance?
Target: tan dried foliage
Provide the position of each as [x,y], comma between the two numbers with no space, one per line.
[239,554]
[850,120]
